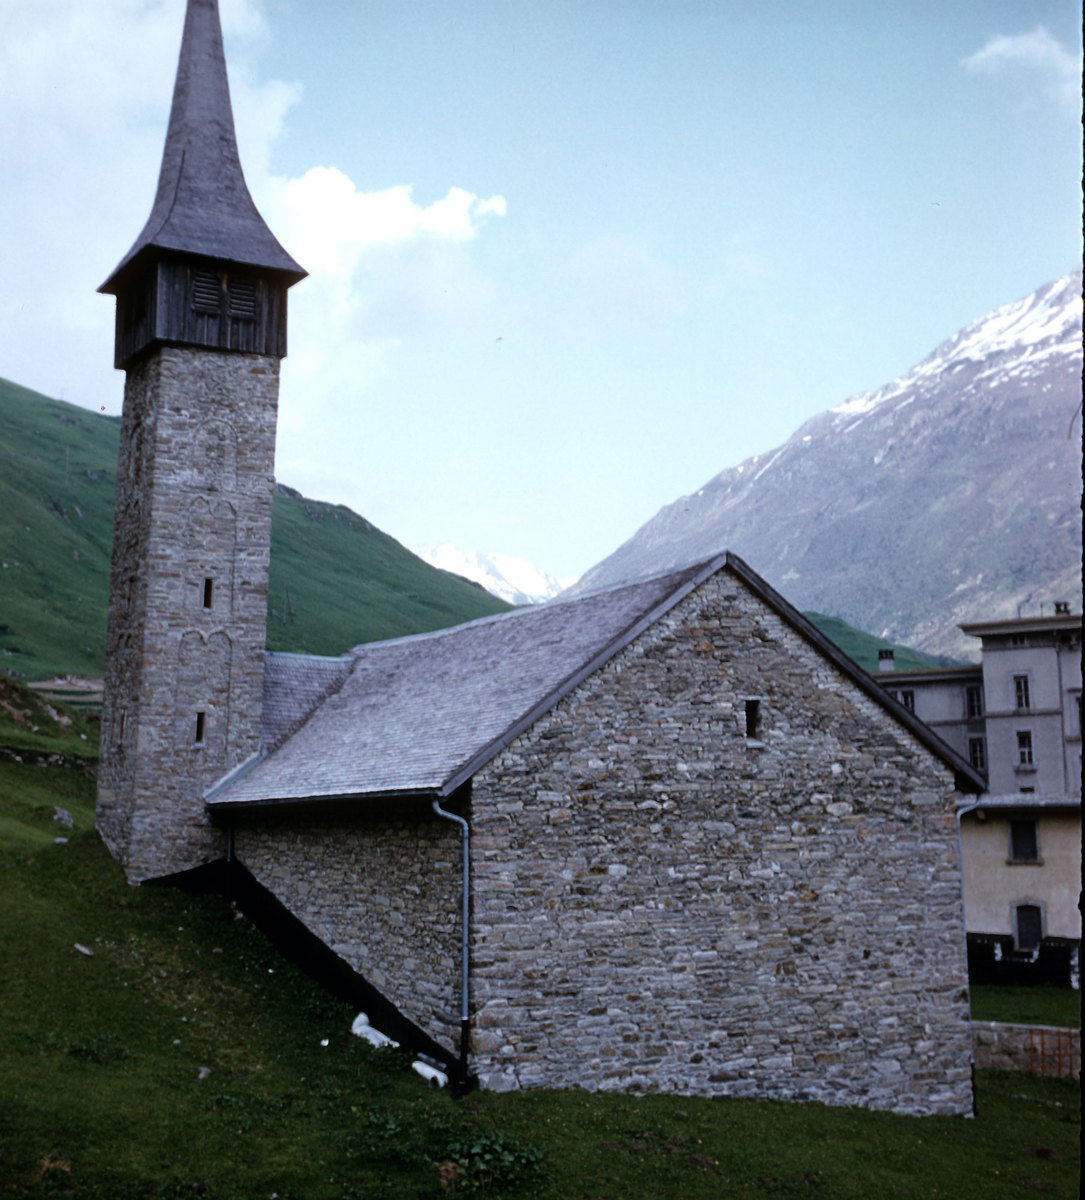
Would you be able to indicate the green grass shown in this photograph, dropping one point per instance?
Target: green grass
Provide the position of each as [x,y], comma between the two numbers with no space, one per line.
[1058,1006]
[101,1057]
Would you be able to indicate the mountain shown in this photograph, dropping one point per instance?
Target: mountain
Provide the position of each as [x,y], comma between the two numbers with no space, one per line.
[951,494]
[335,579]
[511,579]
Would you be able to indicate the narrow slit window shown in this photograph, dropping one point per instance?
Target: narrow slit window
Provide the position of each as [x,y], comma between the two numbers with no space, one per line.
[201,725]
[208,592]
[1020,691]
[753,719]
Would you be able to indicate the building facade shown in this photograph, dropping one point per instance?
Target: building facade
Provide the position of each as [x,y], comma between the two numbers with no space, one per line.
[1016,716]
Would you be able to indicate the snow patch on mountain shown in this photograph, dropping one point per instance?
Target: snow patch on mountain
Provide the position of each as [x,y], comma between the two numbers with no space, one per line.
[1031,331]
[510,579]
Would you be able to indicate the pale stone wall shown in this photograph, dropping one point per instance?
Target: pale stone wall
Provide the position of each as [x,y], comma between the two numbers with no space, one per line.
[384,894]
[1040,1049]
[193,502]
[661,903]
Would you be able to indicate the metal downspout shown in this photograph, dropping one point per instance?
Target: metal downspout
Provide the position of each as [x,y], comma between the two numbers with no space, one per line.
[963,812]
[465,939]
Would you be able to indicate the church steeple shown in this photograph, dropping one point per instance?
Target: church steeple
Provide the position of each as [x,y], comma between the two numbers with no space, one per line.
[203,205]
[206,270]
[201,330]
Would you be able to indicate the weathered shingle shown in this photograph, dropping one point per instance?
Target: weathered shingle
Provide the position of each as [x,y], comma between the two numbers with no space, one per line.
[422,714]
[416,713]
[294,684]
[203,205]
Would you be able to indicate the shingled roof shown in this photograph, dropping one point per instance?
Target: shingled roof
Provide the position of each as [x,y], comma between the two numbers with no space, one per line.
[420,715]
[203,206]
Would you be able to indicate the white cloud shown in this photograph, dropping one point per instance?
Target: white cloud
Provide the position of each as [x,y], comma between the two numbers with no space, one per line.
[85,90]
[328,223]
[1034,51]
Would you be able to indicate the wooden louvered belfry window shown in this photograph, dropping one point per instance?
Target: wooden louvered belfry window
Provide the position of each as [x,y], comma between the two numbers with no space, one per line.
[206,292]
[242,294]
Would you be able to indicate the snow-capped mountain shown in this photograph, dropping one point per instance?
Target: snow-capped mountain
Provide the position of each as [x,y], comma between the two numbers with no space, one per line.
[510,579]
[950,494]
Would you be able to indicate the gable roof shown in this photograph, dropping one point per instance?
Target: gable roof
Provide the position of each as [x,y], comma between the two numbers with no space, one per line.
[203,205]
[420,715]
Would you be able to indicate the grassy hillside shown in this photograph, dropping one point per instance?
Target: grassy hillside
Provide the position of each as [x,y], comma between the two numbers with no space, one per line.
[154,1047]
[57,474]
[335,579]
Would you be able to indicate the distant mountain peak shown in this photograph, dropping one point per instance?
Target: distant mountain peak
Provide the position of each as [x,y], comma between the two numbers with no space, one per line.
[513,580]
[948,494]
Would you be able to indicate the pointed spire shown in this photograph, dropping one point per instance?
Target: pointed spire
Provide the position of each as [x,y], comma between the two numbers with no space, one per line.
[203,206]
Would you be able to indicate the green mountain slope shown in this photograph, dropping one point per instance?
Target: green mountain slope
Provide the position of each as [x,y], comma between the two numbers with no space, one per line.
[335,579]
[57,474]
[863,647]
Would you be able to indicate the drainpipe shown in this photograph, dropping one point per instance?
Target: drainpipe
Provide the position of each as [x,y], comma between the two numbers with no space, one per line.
[465,940]
[963,812]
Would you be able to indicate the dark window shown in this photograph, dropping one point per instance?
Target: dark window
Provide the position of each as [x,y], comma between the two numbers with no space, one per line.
[1024,749]
[201,721]
[977,753]
[753,718]
[1020,691]
[206,292]
[907,698]
[208,592]
[1030,926]
[1024,840]
[243,299]
[973,700]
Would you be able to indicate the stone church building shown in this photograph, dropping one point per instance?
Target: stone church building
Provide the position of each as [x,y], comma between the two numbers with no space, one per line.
[662,837]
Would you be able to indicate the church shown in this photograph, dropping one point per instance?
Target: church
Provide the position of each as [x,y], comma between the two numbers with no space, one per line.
[664,837]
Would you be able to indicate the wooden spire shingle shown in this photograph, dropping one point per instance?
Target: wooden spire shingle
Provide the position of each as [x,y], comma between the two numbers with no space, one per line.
[202,206]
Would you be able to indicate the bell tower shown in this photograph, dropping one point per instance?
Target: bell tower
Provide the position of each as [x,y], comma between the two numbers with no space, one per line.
[200,332]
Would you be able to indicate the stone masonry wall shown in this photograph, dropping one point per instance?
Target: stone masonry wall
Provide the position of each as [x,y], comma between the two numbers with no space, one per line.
[663,903]
[1041,1049]
[193,504]
[384,894]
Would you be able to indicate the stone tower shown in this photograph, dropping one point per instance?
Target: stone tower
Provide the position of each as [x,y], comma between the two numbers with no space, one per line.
[200,332]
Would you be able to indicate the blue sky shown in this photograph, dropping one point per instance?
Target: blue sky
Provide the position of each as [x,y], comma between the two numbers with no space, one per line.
[567,260]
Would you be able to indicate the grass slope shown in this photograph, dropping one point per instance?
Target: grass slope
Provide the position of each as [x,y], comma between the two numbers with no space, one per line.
[335,579]
[181,1057]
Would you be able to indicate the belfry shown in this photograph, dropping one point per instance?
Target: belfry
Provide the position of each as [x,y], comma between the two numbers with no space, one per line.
[200,332]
